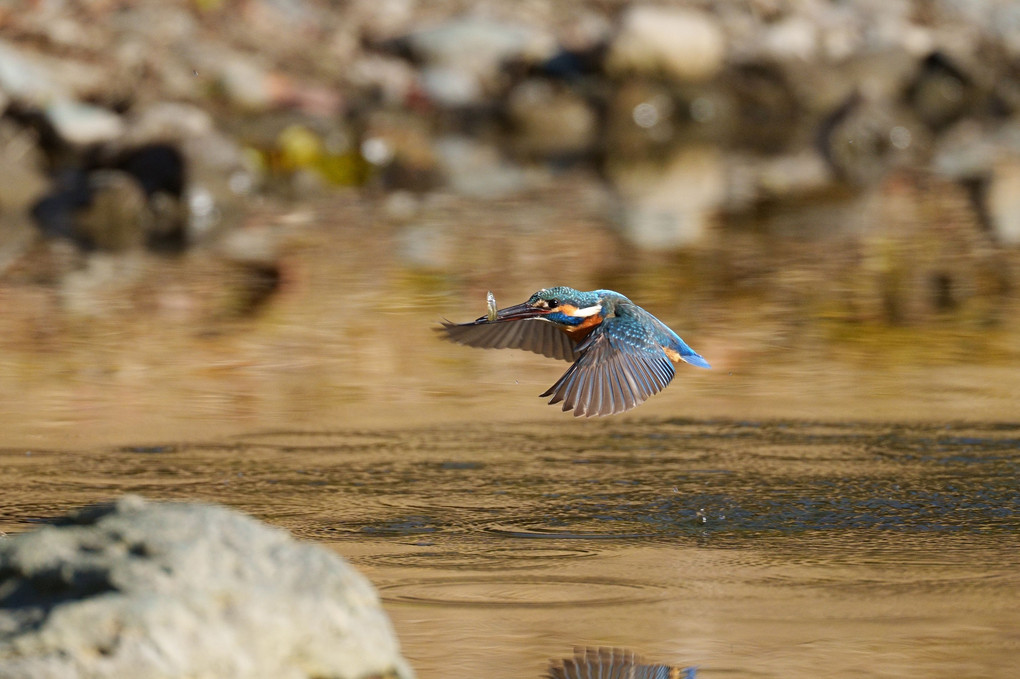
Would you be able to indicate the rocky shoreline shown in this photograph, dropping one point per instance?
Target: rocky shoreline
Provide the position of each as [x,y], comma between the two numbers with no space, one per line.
[152,124]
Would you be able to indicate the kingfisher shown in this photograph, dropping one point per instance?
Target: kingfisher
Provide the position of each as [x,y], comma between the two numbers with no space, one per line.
[620,354]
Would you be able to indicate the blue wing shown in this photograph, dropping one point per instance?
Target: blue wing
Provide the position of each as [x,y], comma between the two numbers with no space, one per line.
[537,335]
[620,366]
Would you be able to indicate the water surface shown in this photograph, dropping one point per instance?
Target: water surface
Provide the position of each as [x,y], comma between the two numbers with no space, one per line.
[750,549]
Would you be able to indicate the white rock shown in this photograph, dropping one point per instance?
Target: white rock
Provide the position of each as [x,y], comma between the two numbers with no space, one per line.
[684,44]
[792,38]
[168,121]
[246,82]
[139,589]
[794,174]
[83,123]
[451,86]
[26,78]
[480,44]
[463,57]
[1003,201]
[40,79]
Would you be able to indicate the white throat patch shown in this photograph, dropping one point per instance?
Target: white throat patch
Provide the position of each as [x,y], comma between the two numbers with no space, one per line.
[587,311]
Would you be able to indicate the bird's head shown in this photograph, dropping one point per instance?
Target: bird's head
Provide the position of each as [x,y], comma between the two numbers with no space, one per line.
[560,305]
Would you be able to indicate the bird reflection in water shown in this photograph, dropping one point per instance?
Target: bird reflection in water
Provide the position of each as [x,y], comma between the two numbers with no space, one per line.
[613,663]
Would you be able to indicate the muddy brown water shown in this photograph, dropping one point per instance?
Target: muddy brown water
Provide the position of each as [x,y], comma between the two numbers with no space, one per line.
[750,549]
[837,498]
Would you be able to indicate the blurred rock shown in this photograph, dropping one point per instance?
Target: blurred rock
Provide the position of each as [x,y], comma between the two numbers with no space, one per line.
[139,589]
[84,124]
[794,37]
[666,207]
[451,87]
[117,201]
[97,285]
[463,57]
[967,150]
[162,25]
[584,30]
[752,180]
[158,167]
[253,245]
[384,19]
[401,147]
[863,138]
[161,171]
[22,179]
[34,77]
[549,121]
[299,147]
[217,175]
[575,66]
[290,22]
[117,216]
[1002,201]
[196,176]
[166,122]
[761,109]
[941,92]
[26,78]
[49,85]
[245,82]
[678,43]
[473,168]
[56,213]
[389,79]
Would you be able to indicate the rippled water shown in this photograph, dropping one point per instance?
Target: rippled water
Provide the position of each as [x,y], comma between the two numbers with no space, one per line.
[751,549]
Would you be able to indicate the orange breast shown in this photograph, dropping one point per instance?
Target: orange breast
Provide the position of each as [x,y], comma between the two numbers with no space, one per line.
[579,332]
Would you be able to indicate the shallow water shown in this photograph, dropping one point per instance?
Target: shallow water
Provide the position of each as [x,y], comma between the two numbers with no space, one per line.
[750,549]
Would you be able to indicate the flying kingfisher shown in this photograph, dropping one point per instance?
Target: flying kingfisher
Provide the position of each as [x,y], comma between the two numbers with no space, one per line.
[621,354]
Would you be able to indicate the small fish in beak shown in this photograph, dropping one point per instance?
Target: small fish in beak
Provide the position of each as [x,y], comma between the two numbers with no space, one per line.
[490,301]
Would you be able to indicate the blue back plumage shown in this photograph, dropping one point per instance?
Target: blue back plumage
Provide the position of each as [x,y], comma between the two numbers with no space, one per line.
[640,321]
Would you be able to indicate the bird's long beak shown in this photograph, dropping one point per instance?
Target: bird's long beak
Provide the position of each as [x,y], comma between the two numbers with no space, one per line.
[515,313]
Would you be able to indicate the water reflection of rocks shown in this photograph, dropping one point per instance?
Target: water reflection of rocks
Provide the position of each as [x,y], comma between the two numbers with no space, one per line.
[687,111]
[817,173]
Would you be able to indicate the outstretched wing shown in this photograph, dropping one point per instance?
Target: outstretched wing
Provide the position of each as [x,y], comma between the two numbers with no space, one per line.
[537,335]
[611,663]
[619,368]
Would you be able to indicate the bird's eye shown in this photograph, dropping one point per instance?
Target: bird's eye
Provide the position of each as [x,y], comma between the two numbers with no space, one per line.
[553,303]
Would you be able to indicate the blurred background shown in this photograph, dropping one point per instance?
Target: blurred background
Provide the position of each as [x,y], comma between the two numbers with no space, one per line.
[226,215]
